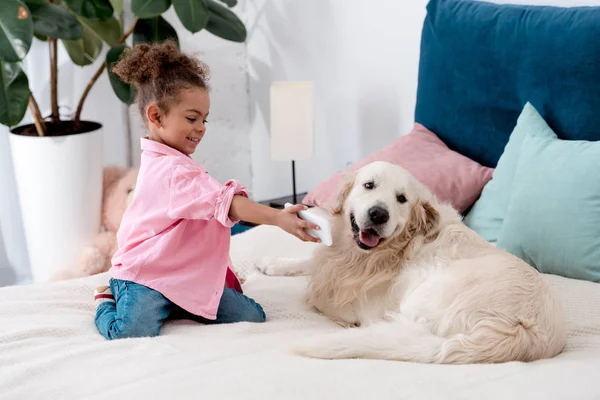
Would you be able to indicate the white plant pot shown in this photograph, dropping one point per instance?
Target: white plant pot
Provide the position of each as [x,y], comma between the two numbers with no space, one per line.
[59,182]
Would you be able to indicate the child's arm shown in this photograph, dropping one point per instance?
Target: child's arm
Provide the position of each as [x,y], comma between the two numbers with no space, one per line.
[245,209]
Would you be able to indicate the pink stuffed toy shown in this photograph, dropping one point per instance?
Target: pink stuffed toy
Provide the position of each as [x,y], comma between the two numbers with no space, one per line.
[118,186]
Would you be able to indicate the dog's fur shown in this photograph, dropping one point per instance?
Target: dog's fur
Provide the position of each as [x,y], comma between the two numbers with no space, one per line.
[431,291]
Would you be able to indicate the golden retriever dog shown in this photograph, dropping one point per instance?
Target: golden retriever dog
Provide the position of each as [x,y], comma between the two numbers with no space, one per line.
[413,283]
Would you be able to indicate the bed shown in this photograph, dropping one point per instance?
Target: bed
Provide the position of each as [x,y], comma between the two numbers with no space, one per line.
[50,349]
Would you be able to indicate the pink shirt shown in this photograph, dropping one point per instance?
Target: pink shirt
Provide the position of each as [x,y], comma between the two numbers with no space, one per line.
[174,236]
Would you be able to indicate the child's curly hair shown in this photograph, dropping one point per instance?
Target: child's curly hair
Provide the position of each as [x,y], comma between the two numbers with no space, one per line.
[159,72]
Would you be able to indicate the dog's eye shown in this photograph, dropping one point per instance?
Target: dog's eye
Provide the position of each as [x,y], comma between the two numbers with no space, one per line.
[369,185]
[401,199]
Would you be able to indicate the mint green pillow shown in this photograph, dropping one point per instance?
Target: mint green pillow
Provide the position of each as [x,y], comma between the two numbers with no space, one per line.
[488,213]
[553,217]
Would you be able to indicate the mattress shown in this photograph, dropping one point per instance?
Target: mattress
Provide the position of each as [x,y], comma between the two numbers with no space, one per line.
[49,349]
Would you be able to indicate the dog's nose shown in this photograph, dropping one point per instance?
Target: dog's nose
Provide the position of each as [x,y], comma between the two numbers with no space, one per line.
[378,215]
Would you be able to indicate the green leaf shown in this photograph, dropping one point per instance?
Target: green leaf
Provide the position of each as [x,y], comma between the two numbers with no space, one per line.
[54,21]
[193,14]
[224,24]
[14,93]
[108,30]
[92,9]
[85,50]
[117,6]
[230,3]
[16,30]
[149,8]
[40,37]
[125,92]
[153,30]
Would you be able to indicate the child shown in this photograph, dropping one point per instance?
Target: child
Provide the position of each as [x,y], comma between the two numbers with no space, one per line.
[173,257]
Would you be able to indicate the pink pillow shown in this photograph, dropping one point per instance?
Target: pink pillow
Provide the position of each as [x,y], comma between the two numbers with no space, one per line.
[452,177]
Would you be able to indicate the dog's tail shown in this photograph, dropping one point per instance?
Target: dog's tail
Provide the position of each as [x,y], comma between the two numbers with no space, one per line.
[493,341]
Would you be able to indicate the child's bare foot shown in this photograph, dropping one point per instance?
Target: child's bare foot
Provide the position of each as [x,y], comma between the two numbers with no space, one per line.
[102,294]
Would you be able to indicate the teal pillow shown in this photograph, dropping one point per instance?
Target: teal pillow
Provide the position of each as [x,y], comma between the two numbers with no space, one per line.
[488,213]
[553,216]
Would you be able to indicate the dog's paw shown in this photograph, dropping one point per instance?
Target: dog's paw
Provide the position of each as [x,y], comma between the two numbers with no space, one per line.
[268,266]
[268,270]
[279,266]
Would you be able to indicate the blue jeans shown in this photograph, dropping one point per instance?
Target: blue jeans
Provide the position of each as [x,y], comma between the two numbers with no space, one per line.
[139,311]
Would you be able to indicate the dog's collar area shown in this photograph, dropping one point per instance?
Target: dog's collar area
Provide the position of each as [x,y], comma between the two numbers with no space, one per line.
[367,233]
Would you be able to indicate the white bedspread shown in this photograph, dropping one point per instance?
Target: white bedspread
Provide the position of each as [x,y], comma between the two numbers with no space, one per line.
[49,349]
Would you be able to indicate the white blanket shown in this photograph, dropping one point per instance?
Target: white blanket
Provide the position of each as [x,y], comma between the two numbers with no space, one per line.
[50,349]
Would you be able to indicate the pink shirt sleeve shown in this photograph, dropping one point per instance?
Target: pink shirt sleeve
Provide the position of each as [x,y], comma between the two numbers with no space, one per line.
[195,195]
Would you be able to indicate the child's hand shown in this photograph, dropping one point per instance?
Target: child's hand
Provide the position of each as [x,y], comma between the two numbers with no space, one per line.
[289,221]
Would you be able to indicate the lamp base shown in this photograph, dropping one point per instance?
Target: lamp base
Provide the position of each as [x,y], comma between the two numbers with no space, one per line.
[295,199]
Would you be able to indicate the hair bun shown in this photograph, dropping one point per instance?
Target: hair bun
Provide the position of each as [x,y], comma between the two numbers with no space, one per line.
[146,62]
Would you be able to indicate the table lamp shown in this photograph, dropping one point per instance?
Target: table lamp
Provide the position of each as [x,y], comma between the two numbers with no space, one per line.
[292,124]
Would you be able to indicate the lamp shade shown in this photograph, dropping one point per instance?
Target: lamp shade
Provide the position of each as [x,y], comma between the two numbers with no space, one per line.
[292,121]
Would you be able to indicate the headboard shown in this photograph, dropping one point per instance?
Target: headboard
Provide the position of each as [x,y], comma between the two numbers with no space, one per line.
[481,62]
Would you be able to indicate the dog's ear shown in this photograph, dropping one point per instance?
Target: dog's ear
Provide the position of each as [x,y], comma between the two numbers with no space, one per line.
[425,218]
[344,191]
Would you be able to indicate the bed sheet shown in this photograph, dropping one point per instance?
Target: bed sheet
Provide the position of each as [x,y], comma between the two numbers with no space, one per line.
[49,349]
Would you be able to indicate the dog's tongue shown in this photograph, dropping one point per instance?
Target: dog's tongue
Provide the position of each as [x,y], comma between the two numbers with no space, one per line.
[369,238]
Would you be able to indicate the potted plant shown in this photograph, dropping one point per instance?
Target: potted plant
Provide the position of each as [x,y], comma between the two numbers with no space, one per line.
[57,161]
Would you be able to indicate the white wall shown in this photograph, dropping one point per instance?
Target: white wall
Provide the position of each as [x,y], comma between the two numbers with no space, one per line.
[363,58]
